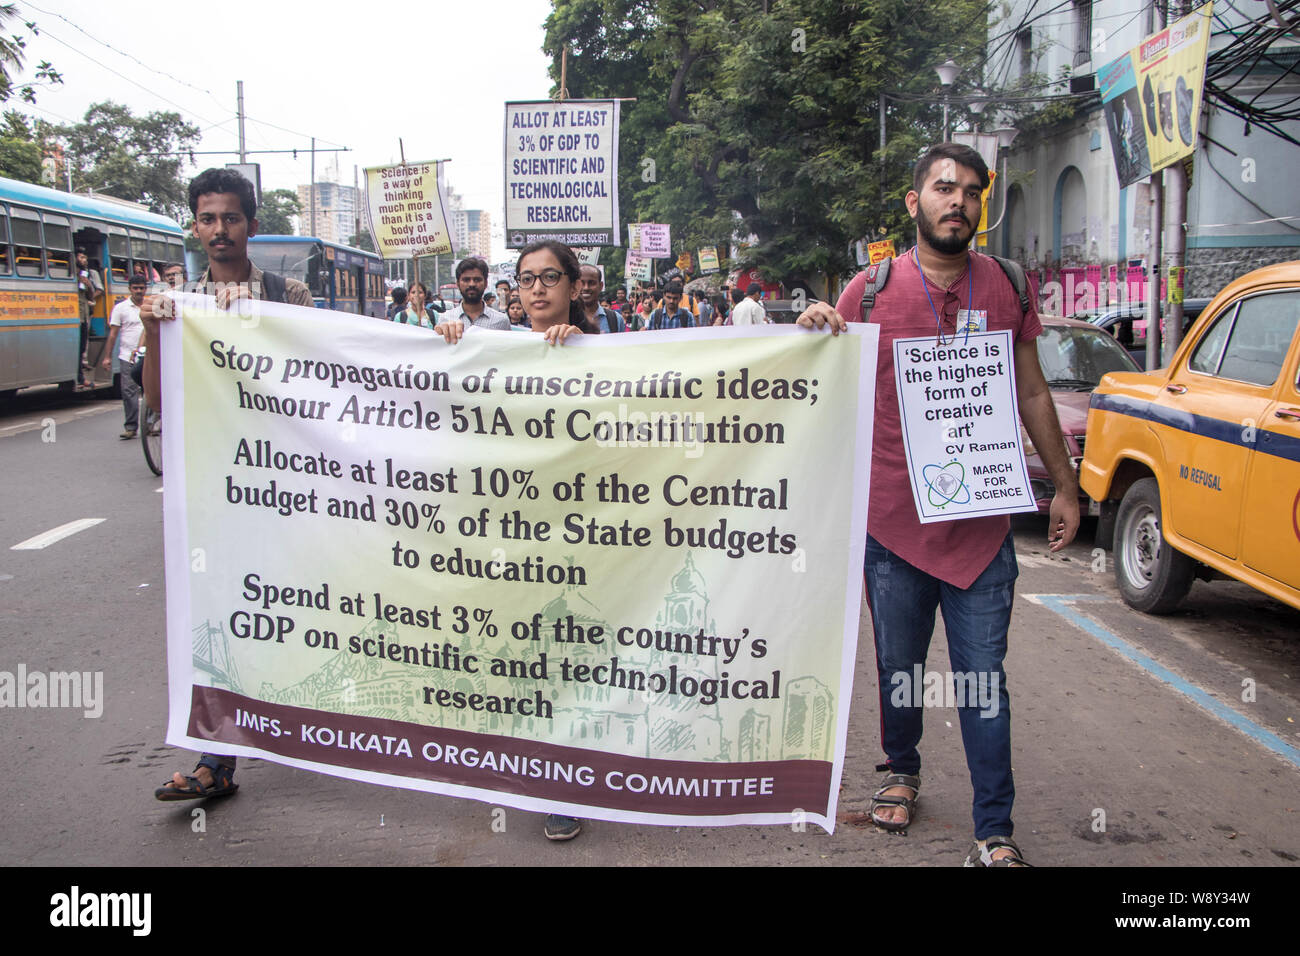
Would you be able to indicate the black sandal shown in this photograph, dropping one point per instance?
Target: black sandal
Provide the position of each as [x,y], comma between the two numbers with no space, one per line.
[981,854]
[223,783]
[880,799]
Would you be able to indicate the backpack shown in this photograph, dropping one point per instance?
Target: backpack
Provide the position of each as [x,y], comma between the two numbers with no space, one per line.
[878,275]
[613,319]
[659,319]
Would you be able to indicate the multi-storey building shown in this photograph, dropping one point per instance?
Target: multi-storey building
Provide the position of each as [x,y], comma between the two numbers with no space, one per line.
[1065,208]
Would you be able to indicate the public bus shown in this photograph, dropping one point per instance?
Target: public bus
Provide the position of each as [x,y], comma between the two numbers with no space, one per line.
[40,321]
[340,277]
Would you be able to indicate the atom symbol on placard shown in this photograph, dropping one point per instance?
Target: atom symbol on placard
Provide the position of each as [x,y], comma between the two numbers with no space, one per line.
[948,485]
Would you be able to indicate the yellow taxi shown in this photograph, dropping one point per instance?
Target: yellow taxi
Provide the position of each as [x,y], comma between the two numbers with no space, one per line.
[1199,463]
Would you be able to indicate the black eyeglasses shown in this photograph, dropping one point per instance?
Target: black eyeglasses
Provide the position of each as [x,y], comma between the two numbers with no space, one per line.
[549,277]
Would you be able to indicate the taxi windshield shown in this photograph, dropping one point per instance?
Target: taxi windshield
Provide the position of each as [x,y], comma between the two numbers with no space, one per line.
[1074,357]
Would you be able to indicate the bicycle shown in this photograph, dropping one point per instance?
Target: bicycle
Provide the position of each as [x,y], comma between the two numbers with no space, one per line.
[150,430]
[151,436]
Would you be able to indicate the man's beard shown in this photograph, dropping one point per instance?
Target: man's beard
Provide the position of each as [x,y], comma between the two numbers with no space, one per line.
[472,296]
[948,244]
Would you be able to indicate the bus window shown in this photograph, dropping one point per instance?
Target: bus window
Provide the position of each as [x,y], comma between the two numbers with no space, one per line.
[119,256]
[5,266]
[158,247]
[27,243]
[175,251]
[58,246]
[139,255]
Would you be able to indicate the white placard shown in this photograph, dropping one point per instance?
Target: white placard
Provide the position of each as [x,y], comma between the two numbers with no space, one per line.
[562,172]
[656,240]
[637,268]
[961,428]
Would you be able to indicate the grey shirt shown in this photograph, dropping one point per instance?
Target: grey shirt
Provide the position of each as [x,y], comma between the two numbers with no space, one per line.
[490,319]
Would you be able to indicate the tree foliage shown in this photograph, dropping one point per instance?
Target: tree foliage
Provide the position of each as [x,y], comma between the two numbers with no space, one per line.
[276,212]
[13,58]
[762,119]
[139,158]
[20,149]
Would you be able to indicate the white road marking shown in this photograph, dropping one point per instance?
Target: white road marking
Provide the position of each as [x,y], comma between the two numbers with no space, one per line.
[56,534]
[9,428]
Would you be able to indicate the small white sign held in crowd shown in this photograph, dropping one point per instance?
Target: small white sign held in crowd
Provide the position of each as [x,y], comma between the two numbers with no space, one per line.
[961,429]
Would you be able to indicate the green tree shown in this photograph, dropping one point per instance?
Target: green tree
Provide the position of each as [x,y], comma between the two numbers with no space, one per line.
[20,153]
[131,157]
[362,240]
[12,59]
[275,214]
[762,118]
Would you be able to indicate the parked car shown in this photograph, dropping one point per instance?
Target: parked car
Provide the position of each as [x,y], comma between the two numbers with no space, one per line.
[1200,462]
[1074,356]
[1128,323]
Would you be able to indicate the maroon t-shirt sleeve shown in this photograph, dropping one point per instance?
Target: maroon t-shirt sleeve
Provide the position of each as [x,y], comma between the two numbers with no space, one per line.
[849,305]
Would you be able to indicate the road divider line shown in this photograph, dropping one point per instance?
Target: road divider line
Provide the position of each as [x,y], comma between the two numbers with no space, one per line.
[1059,603]
[56,534]
[9,428]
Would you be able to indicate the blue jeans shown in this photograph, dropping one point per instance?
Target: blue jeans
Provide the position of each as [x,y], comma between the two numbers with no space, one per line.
[903,600]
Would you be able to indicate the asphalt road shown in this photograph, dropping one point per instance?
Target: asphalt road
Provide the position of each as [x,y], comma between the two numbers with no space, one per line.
[1133,743]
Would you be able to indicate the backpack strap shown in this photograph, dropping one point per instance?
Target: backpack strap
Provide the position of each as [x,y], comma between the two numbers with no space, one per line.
[1016,274]
[273,287]
[877,276]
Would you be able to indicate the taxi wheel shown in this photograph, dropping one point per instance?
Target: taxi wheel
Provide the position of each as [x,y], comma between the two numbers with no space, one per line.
[1152,576]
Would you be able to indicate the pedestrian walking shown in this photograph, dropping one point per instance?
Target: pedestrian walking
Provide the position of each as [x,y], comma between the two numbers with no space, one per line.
[966,566]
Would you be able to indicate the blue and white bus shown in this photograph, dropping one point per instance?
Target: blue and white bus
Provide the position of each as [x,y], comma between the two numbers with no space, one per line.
[40,321]
[340,277]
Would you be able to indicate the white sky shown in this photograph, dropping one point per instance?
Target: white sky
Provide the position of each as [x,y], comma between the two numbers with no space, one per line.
[351,74]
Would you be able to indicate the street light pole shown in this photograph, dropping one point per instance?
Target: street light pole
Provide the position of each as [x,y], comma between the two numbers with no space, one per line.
[947,71]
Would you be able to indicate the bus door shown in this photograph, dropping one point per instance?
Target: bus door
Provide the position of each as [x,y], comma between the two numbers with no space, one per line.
[94,243]
[358,278]
[115,276]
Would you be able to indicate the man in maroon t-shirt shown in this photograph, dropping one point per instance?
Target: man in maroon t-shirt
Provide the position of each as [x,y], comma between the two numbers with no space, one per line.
[965,566]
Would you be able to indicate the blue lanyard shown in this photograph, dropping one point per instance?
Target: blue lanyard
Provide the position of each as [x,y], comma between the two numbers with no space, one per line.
[970,299]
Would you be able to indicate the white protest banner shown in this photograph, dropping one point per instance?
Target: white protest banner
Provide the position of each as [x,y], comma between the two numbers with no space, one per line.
[637,268]
[588,256]
[404,210]
[619,578]
[656,240]
[562,172]
[960,426]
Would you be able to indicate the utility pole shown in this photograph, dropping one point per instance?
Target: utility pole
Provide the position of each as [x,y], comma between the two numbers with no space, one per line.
[1156,21]
[239,109]
[1175,247]
[312,194]
[415,260]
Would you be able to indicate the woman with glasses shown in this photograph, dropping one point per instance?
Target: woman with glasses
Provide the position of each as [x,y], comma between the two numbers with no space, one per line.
[548,289]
